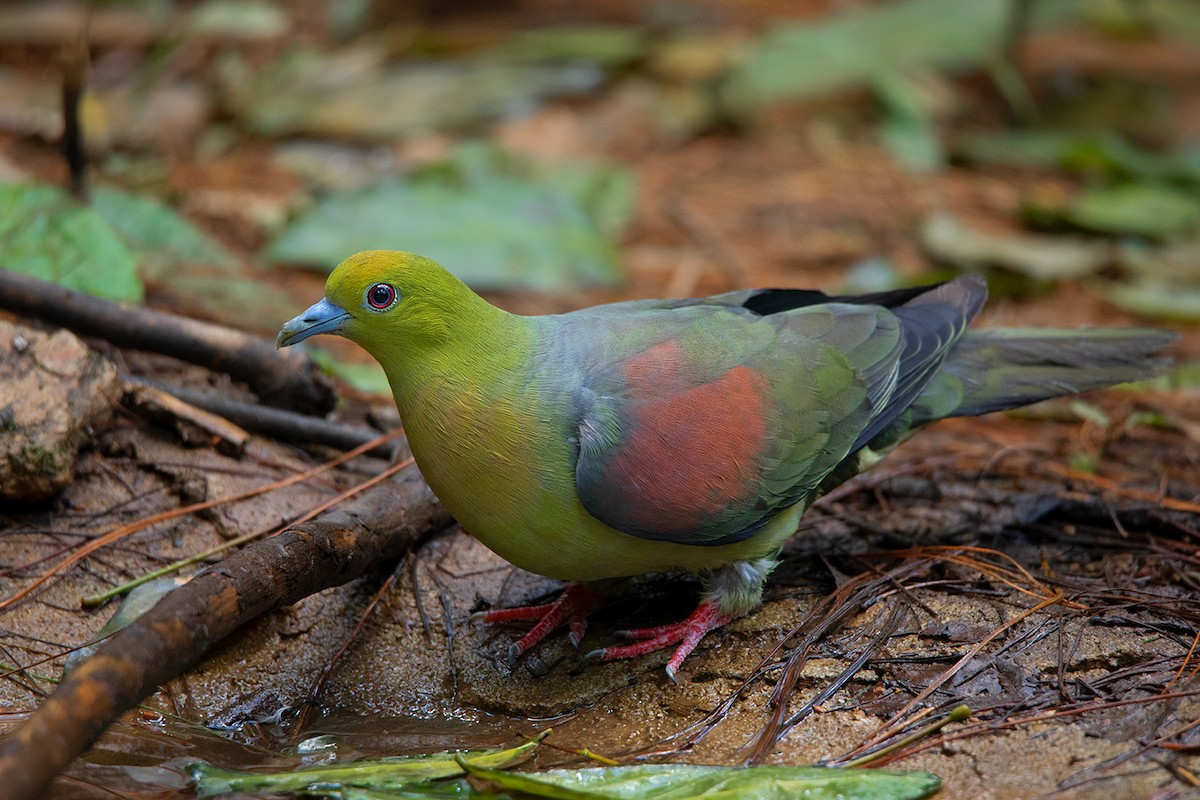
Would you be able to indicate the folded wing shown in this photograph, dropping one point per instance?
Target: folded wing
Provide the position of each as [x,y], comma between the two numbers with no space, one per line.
[699,422]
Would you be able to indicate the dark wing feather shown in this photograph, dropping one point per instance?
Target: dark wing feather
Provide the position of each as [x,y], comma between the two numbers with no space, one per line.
[712,418]
[930,324]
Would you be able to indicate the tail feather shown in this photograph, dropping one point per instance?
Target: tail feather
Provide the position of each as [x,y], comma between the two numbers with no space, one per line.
[991,370]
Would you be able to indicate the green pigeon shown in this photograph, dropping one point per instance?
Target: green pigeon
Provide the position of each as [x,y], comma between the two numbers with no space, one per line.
[659,435]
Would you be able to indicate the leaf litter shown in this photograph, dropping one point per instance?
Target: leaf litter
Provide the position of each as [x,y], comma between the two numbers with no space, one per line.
[1115,544]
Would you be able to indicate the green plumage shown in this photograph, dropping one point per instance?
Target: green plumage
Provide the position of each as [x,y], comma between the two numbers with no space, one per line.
[687,434]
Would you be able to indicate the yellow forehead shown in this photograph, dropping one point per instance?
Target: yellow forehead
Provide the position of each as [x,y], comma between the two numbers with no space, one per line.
[410,273]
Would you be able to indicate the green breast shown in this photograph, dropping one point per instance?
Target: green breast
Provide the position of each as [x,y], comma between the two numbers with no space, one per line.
[502,462]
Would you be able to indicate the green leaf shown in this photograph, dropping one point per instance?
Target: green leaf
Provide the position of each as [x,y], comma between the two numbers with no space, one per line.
[452,790]
[1176,19]
[1106,153]
[136,603]
[1089,412]
[1037,256]
[610,45]
[162,238]
[238,19]
[1083,462]
[404,773]
[492,219]
[1142,209]
[1184,376]
[908,129]
[800,59]
[355,93]
[180,259]
[1153,298]
[683,781]
[47,234]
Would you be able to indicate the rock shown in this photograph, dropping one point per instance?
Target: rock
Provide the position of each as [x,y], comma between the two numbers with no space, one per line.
[54,390]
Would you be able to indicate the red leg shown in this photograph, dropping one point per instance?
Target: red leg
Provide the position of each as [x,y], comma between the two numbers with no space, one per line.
[688,634]
[572,607]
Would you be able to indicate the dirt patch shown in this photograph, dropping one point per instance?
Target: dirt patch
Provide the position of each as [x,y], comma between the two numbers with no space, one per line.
[1052,554]
[1076,690]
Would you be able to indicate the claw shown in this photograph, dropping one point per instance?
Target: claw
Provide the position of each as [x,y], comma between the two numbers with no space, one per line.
[571,607]
[705,618]
[592,656]
[578,600]
[578,626]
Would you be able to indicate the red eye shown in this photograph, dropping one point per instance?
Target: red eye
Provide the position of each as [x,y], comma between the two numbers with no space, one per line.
[380,296]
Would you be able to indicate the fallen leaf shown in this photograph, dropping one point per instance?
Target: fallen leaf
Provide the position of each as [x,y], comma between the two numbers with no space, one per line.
[45,233]
[1037,256]
[494,220]
[355,93]
[162,238]
[681,781]
[1152,298]
[795,60]
[1155,211]
[401,773]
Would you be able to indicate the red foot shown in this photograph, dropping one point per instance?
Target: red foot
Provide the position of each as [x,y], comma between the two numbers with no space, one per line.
[688,633]
[572,607]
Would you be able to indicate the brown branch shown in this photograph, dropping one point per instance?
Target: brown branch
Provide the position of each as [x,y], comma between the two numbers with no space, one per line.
[285,379]
[80,552]
[74,61]
[277,423]
[174,635]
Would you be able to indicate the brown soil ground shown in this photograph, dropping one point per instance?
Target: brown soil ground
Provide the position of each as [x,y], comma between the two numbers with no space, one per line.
[1059,604]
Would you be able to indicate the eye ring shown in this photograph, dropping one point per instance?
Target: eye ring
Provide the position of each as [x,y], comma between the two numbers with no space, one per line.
[381,296]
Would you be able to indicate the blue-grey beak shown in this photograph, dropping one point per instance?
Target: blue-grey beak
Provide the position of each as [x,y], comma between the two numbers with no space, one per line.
[322,317]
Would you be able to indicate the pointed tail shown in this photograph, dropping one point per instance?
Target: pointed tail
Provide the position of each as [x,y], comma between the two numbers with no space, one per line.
[991,370]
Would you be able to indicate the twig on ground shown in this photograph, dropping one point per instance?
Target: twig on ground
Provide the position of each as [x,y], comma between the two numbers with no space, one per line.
[159,405]
[74,61]
[82,552]
[286,379]
[274,422]
[891,727]
[99,599]
[318,685]
[174,635]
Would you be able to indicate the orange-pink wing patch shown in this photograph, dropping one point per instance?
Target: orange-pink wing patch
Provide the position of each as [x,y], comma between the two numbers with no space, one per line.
[693,451]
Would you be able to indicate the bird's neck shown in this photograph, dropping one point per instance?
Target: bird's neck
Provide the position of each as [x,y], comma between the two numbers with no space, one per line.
[470,408]
[481,354]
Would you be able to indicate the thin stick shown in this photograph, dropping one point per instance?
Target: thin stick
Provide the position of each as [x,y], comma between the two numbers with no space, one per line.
[277,423]
[957,714]
[286,379]
[103,597]
[318,685]
[1122,491]
[172,636]
[127,530]
[888,727]
[74,83]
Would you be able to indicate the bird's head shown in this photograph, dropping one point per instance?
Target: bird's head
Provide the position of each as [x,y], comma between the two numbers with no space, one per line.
[384,300]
